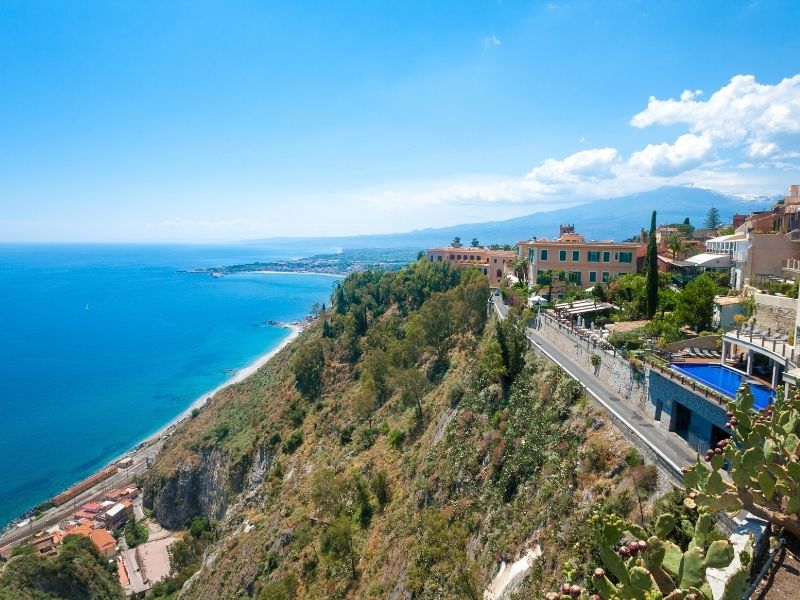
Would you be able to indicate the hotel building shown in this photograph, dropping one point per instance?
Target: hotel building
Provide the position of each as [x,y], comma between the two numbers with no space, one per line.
[492,263]
[571,258]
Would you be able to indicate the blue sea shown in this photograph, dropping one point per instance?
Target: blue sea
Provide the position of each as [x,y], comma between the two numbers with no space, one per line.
[101,346]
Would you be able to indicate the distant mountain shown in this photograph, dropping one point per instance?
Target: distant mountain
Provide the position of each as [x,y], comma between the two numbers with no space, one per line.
[613,218]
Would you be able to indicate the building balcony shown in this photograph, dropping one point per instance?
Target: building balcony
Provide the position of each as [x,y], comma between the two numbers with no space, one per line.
[792,267]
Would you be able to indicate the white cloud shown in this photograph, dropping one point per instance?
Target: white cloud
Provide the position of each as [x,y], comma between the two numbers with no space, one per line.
[492,40]
[742,113]
[585,165]
[740,140]
[687,152]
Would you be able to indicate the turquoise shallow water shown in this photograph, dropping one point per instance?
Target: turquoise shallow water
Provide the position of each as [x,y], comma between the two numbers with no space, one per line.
[80,386]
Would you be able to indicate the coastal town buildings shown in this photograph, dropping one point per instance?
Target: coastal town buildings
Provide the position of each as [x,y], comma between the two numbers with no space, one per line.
[570,257]
[765,245]
[495,264]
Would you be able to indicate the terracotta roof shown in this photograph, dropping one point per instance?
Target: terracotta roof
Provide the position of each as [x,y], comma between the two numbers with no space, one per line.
[102,539]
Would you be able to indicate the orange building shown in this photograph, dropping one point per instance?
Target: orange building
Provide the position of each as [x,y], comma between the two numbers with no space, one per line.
[571,258]
[495,264]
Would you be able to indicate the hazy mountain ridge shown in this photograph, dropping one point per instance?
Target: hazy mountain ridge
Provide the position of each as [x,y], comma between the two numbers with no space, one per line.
[613,218]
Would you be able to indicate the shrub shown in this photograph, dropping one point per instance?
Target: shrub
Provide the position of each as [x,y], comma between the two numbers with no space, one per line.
[396,438]
[275,438]
[646,477]
[367,437]
[135,533]
[293,442]
[596,360]
[454,394]
[380,487]
[598,454]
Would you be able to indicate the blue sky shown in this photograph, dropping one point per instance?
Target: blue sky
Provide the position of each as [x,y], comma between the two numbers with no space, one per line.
[201,121]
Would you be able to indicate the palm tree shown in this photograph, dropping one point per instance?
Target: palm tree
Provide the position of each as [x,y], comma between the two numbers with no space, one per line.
[675,245]
[456,242]
[520,268]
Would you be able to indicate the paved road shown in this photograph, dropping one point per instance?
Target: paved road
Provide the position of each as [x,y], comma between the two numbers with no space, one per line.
[670,444]
[56,514]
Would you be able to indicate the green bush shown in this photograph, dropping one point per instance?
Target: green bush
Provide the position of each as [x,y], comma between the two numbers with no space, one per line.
[135,533]
[396,438]
[293,442]
[598,455]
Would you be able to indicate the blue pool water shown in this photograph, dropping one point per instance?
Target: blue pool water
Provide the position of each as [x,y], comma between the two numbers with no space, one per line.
[80,386]
[726,381]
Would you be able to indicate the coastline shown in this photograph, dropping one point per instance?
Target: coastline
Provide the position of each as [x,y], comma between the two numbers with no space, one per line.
[137,449]
[337,275]
[238,377]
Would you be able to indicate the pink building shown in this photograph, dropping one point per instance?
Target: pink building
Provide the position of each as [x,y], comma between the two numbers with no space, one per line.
[495,264]
[571,258]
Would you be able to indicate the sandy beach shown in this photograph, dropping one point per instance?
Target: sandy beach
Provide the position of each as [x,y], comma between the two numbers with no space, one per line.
[239,376]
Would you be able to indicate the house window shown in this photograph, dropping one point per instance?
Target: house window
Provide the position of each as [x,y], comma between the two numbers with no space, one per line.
[532,254]
[439,258]
[431,257]
[458,257]
[452,256]
[499,272]
[592,276]
[604,277]
[626,257]
[562,255]
[543,254]
[575,277]
[477,257]
[606,256]
[594,256]
[494,260]
[562,276]
[576,255]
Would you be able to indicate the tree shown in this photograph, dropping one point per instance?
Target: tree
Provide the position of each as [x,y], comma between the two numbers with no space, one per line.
[456,242]
[413,386]
[337,542]
[675,245]
[520,268]
[490,361]
[695,305]
[652,270]
[308,367]
[762,464]
[713,219]
[475,243]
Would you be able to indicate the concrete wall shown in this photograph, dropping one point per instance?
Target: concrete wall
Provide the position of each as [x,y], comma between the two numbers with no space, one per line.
[649,392]
[775,312]
[768,253]
[666,393]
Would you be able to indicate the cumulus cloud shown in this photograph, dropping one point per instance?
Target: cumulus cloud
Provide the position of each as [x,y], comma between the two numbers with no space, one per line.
[743,113]
[664,159]
[588,164]
[735,141]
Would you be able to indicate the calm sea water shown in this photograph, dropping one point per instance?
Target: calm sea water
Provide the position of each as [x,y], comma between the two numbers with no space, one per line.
[101,346]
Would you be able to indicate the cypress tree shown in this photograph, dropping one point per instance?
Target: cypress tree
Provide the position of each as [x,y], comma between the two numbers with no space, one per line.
[652,269]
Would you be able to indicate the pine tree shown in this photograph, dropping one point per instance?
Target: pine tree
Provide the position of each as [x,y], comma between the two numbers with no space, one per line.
[652,270]
[713,219]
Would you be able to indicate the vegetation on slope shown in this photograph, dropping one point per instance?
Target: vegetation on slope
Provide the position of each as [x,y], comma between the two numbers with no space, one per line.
[409,448]
[78,571]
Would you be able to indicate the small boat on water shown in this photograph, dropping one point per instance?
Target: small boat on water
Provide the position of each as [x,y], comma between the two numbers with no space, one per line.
[217,275]
[87,307]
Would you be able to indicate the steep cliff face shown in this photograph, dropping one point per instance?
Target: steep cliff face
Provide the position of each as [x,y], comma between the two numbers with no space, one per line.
[205,485]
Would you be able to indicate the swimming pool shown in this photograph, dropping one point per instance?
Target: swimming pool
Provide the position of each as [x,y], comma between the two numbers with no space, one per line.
[726,381]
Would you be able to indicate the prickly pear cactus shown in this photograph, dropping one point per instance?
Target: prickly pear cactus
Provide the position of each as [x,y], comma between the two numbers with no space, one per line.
[656,568]
[763,465]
